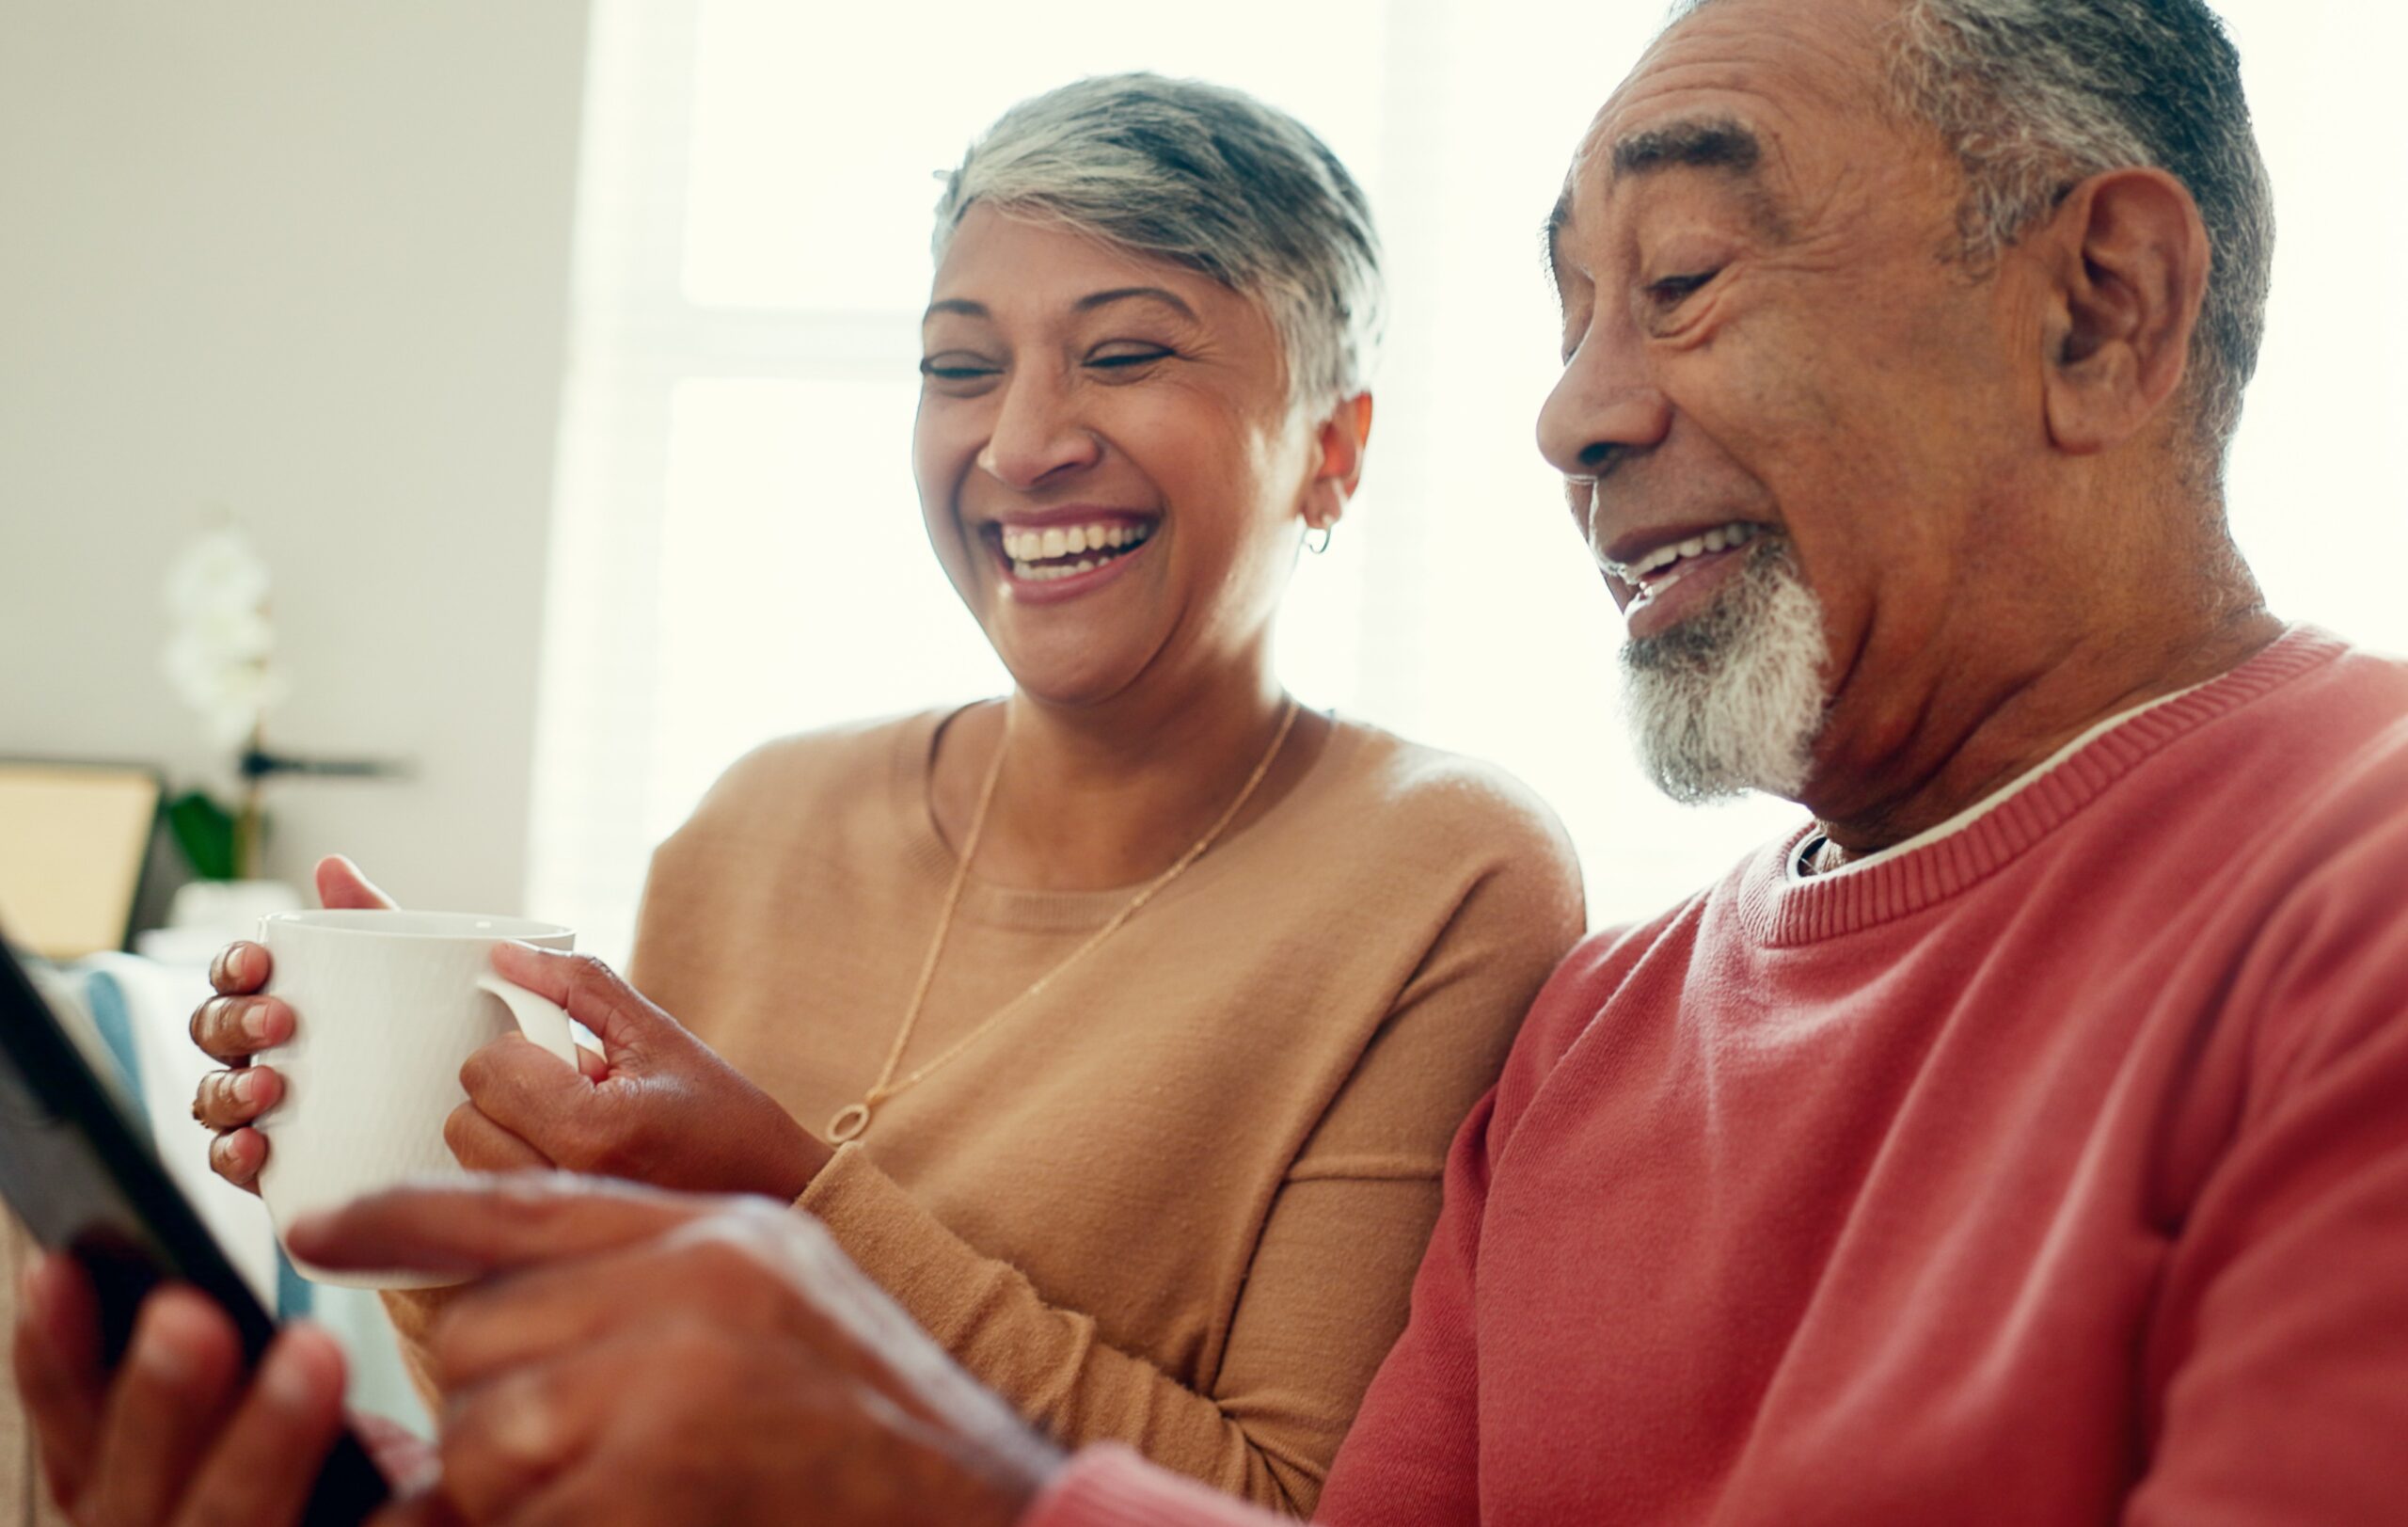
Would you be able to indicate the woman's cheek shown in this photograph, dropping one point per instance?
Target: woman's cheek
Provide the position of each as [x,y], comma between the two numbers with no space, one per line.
[940,465]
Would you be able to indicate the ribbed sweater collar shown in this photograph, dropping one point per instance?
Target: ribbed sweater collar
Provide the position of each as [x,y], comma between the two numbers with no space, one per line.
[1785,915]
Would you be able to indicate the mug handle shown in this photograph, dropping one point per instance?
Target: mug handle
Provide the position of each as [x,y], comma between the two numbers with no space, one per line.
[543,1022]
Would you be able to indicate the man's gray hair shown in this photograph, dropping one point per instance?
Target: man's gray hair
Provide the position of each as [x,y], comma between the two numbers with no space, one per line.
[1204,177]
[2033,96]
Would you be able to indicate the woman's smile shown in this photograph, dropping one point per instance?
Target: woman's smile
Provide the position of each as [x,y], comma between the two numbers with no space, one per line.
[1064,553]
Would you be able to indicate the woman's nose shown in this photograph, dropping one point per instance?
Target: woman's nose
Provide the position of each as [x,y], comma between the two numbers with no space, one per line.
[1038,434]
[1603,407]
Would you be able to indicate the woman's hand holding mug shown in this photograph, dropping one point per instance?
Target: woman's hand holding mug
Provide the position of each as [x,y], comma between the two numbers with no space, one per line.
[664,1108]
[239,1023]
[657,1105]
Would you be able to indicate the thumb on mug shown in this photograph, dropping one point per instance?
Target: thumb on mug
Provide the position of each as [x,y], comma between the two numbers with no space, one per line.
[590,993]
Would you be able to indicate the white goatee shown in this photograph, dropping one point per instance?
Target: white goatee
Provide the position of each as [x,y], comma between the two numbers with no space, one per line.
[1730,699]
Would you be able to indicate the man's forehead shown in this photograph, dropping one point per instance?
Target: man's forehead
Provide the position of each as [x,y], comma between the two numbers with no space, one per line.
[1731,87]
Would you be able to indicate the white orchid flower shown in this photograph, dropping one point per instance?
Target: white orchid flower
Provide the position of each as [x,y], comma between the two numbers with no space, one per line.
[219,643]
[219,573]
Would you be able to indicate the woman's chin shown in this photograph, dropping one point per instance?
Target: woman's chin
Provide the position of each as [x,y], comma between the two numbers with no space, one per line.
[1069,680]
[1077,652]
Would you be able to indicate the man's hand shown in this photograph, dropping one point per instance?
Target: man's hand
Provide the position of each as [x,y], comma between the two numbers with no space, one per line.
[658,1105]
[638,1357]
[180,1436]
[238,1023]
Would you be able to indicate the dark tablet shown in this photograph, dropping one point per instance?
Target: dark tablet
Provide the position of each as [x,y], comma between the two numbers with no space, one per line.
[84,1181]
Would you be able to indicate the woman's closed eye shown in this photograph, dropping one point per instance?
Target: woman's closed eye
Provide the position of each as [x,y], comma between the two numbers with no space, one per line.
[1126,355]
[957,366]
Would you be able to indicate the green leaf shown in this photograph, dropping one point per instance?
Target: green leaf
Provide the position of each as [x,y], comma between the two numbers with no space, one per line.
[205,832]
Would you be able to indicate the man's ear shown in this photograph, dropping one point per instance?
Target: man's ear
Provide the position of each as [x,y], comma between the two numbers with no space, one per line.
[2128,256]
[1339,444]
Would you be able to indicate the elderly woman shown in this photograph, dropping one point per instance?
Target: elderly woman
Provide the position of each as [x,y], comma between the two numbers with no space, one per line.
[1120,1026]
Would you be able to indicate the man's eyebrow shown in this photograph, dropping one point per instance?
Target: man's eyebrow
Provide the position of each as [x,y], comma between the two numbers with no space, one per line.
[961,305]
[1711,144]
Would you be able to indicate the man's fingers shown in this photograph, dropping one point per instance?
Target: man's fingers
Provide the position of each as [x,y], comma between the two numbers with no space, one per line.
[503,1440]
[58,1360]
[163,1409]
[423,1510]
[343,888]
[519,1446]
[234,1028]
[230,1099]
[544,1311]
[492,1225]
[267,1457]
[480,1144]
[405,1459]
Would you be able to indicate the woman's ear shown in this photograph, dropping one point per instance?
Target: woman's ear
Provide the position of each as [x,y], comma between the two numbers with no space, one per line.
[2128,257]
[1339,444]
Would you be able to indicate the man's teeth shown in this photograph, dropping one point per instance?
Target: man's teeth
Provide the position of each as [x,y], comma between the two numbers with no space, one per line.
[1045,554]
[1722,539]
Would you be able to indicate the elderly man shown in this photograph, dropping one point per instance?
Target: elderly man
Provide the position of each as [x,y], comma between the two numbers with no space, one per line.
[2024,1140]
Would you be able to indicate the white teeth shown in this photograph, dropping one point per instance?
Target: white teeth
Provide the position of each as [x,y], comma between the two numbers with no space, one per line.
[1042,556]
[1720,538]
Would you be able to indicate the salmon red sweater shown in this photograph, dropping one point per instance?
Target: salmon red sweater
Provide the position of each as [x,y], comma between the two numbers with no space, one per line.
[2055,1171]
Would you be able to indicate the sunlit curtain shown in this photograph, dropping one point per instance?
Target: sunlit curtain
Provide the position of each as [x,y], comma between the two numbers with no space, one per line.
[738,551]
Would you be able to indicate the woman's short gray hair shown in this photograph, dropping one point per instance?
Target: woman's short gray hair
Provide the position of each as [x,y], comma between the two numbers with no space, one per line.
[1208,178]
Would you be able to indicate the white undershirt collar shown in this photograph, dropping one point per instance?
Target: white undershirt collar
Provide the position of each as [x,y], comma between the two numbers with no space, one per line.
[1799,874]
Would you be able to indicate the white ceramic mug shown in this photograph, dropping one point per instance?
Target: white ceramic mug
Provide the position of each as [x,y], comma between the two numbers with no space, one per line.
[386,1006]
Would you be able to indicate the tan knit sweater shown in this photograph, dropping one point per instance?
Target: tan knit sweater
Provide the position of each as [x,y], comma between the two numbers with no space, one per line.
[1176,1201]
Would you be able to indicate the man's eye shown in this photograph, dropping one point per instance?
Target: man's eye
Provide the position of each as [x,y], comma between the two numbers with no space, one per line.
[1122,356]
[1673,290]
[955,369]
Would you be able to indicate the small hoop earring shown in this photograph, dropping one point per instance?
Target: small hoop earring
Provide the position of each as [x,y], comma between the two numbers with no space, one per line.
[1316,547]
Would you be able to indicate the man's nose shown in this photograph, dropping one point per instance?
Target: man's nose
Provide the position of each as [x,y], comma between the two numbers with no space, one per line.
[1039,433]
[1604,407]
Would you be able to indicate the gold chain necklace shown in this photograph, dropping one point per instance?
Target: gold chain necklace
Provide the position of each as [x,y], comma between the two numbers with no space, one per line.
[851,1121]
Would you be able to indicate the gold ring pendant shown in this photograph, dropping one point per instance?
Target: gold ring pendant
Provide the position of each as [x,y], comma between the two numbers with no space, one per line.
[849,1124]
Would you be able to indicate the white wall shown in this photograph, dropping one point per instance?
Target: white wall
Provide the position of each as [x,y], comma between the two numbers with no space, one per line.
[309,264]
